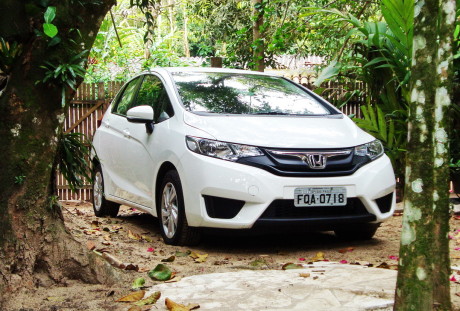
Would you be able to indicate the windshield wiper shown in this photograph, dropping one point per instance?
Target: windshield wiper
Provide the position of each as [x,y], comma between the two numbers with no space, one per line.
[278,113]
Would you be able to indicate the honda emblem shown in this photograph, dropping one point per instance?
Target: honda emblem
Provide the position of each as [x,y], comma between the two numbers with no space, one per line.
[315,161]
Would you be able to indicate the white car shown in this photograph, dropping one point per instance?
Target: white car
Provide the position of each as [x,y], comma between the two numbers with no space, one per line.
[220,148]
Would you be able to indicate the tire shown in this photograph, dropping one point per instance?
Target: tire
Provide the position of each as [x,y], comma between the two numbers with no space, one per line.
[101,206]
[171,213]
[357,231]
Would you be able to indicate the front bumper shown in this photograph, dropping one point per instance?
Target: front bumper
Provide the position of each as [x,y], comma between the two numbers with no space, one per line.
[255,191]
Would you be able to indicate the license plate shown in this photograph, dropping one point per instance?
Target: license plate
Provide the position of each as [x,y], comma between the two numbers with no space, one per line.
[320,196]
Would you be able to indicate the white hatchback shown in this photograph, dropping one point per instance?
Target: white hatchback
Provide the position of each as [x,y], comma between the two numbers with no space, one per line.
[218,148]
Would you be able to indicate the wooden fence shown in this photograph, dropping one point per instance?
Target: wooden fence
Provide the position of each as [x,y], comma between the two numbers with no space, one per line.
[85,109]
[91,100]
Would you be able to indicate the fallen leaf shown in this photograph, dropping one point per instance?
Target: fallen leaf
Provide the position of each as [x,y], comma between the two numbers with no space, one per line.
[290,265]
[107,238]
[135,308]
[106,243]
[169,259]
[78,212]
[173,306]
[457,294]
[220,262]
[160,273]
[193,306]
[198,257]
[174,279]
[134,236]
[138,283]
[55,299]
[150,300]
[304,275]
[258,263]
[319,257]
[383,265]
[95,224]
[150,249]
[132,267]
[183,254]
[118,263]
[146,238]
[348,249]
[90,245]
[133,297]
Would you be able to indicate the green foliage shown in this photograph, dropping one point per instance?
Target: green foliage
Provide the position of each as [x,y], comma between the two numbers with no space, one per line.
[19,180]
[380,56]
[64,75]
[9,52]
[48,28]
[383,127]
[72,156]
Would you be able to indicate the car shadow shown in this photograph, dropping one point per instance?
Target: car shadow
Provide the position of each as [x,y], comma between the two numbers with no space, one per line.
[236,241]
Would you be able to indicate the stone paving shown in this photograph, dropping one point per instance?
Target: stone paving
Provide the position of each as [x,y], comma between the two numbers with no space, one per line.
[330,286]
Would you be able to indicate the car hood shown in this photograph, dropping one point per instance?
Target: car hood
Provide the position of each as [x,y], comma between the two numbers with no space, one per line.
[281,131]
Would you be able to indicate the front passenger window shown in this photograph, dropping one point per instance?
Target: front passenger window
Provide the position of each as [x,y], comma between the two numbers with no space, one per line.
[153,93]
[126,98]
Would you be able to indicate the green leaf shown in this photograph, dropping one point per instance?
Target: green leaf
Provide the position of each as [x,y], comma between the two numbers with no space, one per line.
[330,71]
[138,283]
[50,30]
[50,14]
[160,273]
[382,124]
[290,266]
[56,40]
[150,300]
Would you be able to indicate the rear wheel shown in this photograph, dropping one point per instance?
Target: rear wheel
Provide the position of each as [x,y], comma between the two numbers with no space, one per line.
[171,213]
[101,206]
[357,231]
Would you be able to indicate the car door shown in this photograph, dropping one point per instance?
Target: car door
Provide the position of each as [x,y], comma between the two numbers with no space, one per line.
[143,146]
[114,155]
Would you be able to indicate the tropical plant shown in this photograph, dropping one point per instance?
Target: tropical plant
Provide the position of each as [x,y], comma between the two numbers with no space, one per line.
[72,156]
[380,55]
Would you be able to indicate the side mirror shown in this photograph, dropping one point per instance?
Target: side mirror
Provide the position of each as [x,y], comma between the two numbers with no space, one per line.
[141,114]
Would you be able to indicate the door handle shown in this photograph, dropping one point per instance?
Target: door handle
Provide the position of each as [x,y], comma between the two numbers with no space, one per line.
[126,133]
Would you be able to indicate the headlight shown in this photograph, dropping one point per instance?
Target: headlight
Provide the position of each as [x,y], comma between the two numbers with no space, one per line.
[221,150]
[373,150]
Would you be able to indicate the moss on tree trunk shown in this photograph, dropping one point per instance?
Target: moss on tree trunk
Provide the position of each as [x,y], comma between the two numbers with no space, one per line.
[33,238]
[424,266]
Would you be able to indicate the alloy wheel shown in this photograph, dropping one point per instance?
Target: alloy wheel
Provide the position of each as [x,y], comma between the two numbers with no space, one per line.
[98,191]
[169,210]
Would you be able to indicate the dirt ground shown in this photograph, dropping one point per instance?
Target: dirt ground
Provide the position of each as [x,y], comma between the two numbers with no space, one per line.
[134,238]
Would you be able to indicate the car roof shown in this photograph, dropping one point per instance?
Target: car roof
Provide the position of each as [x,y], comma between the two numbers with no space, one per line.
[172,70]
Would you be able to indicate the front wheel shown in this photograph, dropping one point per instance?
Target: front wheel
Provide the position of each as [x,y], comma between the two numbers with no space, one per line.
[101,206]
[171,213]
[364,231]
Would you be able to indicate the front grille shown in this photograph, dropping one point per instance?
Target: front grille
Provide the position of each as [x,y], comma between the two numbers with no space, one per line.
[285,209]
[290,163]
[384,203]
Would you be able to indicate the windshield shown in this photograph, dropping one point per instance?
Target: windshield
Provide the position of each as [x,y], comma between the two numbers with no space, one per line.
[235,93]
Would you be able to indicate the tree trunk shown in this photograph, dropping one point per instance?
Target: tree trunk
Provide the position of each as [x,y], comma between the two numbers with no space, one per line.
[424,267]
[258,40]
[186,45]
[33,239]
